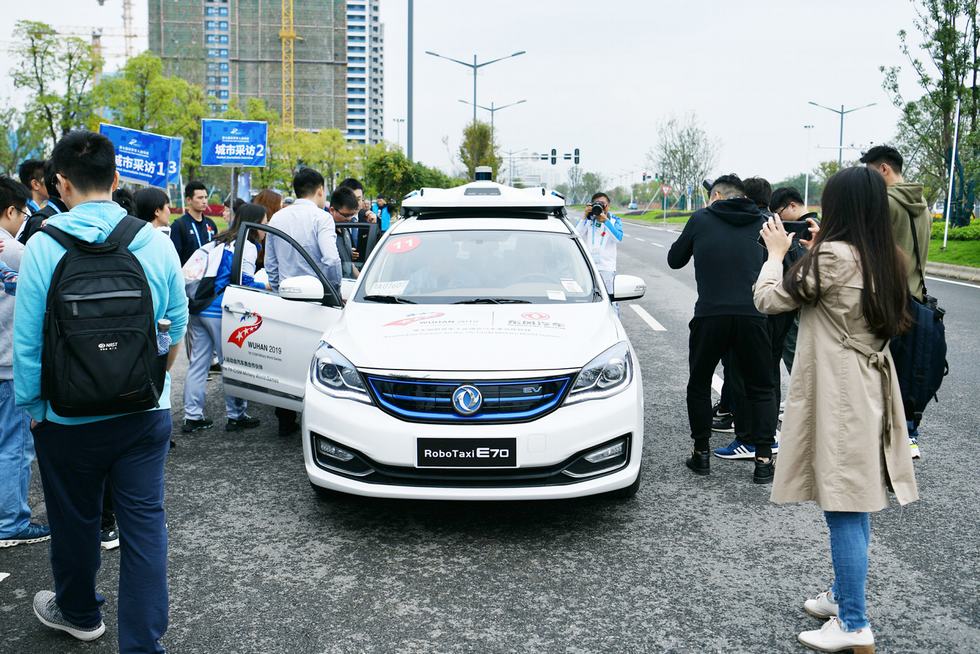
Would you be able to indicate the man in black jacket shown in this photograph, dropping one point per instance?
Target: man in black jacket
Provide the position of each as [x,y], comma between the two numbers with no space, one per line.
[723,239]
[193,229]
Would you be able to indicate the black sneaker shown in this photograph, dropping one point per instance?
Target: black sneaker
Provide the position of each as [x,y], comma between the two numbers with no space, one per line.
[764,471]
[191,426]
[241,424]
[724,422]
[699,463]
[110,539]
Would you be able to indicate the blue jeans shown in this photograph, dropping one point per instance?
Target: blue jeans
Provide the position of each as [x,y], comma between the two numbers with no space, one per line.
[205,340]
[75,461]
[16,455]
[850,534]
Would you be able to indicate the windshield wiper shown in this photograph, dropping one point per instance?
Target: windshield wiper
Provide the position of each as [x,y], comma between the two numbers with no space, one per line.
[493,300]
[388,299]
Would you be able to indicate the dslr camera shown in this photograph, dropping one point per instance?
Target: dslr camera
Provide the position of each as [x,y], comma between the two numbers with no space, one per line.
[596,210]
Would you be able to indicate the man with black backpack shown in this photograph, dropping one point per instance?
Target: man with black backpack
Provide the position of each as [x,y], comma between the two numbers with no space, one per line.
[912,226]
[100,309]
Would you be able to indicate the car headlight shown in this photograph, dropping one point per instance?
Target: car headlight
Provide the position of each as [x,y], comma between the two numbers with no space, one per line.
[333,374]
[607,374]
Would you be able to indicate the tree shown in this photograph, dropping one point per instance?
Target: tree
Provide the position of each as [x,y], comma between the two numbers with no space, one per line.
[389,172]
[574,185]
[685,153]
[17,141]
[592,183]
[141,97]
[478,148]
[57,72]
[951,42]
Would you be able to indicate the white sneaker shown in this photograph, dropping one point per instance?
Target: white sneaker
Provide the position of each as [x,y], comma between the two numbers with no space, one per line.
[914,445]
[832,638]
[822,607]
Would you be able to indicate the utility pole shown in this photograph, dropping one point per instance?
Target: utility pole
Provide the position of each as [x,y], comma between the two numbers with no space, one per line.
[842,112]
[806,164]
[475,66]
[493,111]
[411,51]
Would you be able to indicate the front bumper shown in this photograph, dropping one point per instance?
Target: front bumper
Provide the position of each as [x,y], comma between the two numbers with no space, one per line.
[546,446]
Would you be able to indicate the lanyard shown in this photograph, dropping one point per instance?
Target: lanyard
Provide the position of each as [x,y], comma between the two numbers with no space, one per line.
[602,237]
[197,236]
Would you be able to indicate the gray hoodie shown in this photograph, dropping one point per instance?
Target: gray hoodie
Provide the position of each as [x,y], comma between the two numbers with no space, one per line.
[12,252]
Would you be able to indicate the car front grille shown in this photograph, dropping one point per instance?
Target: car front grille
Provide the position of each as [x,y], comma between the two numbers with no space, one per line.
[503,401]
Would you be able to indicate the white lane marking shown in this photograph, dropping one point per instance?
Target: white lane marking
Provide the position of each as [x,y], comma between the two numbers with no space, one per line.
[648,319]
[659,229]
[950,281]
[716,383]
[641,240]
[657,245]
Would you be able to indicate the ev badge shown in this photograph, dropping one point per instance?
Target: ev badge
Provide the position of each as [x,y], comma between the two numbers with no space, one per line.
[467,400]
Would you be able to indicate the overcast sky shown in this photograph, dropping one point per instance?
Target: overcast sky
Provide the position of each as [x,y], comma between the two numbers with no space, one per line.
[601,76]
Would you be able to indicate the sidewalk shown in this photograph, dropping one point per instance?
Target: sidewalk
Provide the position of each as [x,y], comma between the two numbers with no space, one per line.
[950,271]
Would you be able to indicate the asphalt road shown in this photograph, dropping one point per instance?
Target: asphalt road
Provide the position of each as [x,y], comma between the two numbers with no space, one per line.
[259,564]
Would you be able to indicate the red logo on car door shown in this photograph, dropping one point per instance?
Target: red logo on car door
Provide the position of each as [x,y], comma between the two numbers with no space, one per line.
[239,336]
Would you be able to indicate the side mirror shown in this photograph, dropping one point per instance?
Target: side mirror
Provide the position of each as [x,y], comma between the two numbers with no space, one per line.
[346,288]
[628,287]
[302,287]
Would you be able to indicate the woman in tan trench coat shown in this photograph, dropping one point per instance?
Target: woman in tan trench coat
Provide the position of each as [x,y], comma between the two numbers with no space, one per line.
[844,439]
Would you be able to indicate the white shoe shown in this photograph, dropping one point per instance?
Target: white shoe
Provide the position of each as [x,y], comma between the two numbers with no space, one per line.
[822,607]
[914,445]
[832,638]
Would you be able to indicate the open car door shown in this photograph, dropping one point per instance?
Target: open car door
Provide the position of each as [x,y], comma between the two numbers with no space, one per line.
[268,338]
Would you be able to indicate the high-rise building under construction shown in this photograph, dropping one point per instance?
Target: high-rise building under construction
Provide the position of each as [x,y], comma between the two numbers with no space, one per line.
[234,49]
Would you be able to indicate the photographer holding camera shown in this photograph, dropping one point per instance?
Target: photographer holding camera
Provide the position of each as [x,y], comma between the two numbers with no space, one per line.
[601,232]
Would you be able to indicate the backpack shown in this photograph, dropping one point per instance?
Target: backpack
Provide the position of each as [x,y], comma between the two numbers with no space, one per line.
[920,353]
[99,352]
[200,277]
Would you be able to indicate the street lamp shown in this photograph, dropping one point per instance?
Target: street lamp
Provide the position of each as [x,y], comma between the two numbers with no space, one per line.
[806,163]
[842,112]
[398,122]
[493,110]
[475,66]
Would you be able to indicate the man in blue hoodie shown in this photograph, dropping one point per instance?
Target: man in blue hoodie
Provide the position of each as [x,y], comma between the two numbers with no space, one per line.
[77,454]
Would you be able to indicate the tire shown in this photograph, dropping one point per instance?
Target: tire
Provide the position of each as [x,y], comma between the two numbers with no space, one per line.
[629,492]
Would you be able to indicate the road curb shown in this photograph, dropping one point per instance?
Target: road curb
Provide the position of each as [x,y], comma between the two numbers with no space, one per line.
[962,273]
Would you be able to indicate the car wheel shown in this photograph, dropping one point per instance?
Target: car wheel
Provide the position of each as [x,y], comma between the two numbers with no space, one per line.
[628,492]
[323,493]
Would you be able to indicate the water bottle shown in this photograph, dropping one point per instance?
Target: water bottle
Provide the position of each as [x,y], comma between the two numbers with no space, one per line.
[163,337]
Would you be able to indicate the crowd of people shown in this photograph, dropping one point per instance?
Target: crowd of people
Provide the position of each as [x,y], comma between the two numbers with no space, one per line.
[826,298]
[774,285]
[161,286]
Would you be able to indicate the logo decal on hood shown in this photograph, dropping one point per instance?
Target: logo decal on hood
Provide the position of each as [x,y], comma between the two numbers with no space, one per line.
[535,315]
[240,335]
[414,318]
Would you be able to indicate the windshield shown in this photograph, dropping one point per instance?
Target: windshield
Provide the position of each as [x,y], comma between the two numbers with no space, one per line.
[479,267]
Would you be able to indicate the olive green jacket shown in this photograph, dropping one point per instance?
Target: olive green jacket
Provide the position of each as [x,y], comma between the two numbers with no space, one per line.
[906,200]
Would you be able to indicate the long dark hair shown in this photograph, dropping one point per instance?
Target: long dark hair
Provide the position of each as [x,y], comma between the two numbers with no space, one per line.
[855,210]
[248,212]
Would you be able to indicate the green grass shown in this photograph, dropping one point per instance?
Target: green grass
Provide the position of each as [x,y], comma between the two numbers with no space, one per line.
[960,253]
[657,216]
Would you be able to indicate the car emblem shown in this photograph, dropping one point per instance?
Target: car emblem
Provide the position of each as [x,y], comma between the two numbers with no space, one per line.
[467,400]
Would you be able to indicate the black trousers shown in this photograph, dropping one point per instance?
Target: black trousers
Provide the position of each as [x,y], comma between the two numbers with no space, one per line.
[748,340]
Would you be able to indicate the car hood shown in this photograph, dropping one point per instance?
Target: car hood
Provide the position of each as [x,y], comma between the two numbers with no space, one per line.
[474,337]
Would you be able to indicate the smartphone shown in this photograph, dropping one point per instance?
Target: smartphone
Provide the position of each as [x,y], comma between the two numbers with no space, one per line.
[798,228]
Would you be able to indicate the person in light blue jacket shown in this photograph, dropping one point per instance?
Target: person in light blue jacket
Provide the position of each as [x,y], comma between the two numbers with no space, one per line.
[77,454]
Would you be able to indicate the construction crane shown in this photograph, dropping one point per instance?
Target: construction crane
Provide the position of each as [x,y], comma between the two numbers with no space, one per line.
[127,18]
[287,34]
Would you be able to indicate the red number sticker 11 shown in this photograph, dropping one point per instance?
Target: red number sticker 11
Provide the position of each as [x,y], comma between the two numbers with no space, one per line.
[403,244]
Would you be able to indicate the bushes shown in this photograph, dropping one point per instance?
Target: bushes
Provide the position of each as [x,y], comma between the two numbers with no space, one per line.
[969,233]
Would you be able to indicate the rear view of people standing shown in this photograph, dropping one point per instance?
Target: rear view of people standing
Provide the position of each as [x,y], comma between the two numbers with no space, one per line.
[113,423]
[723,240]
[844,439]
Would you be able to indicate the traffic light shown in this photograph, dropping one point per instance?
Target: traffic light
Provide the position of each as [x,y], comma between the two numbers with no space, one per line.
[645,177]
[576,157]
[554,156]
